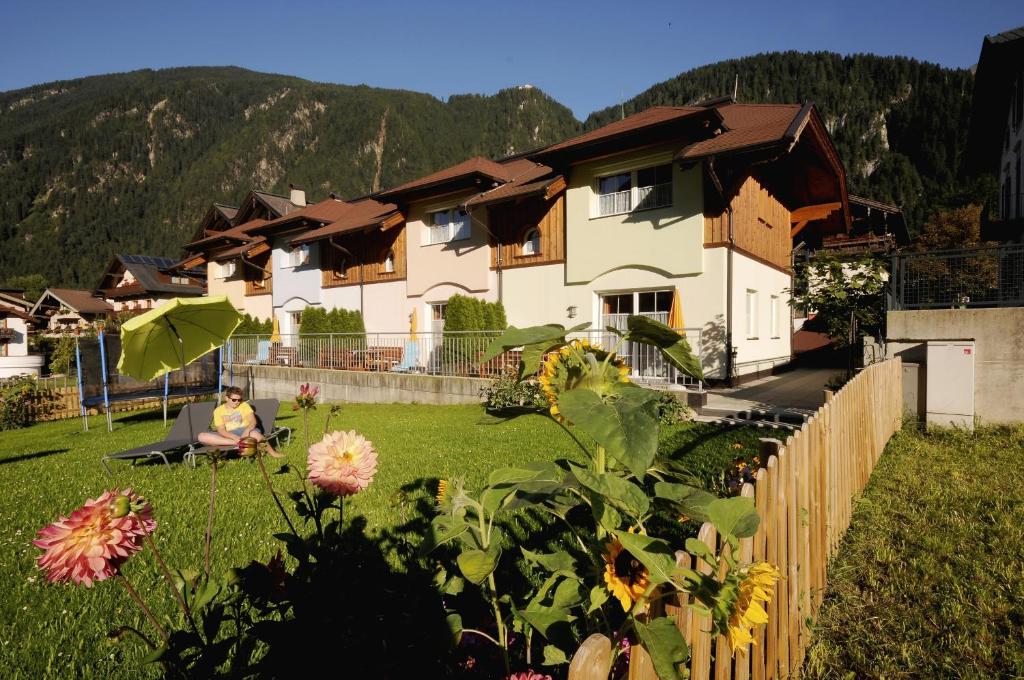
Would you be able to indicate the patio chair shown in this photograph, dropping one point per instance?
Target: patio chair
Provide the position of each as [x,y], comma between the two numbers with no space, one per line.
[262,353]
[266,413]
[410,358]
[181,436]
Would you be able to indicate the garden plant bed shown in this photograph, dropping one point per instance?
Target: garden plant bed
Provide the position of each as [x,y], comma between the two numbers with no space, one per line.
[51,468]
[927,582]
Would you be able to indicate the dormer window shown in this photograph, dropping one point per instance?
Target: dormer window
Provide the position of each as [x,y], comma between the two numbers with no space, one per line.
[642,189]
[298,256]
[389,262]
[447,225]
[531,242]
[227,269]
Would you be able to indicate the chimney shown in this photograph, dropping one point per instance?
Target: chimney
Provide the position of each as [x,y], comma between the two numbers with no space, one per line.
[298,195]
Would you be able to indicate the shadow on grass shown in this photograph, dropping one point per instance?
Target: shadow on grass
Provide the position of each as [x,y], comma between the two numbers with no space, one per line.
[30,456]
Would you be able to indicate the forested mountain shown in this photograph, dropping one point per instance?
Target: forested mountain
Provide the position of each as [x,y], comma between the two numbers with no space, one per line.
[900,125]
[129,162]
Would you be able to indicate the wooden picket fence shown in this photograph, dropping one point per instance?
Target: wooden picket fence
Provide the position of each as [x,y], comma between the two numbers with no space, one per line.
[804,496]
[59,403]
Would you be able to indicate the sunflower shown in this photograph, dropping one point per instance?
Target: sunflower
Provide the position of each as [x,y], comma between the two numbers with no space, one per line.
[580,364]
[625,576]
[756,586]
[442,491]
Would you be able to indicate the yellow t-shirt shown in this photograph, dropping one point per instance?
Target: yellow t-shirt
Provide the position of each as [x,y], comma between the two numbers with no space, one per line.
[234,420]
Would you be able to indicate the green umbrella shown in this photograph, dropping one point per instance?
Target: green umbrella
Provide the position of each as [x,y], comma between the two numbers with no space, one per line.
[175,334]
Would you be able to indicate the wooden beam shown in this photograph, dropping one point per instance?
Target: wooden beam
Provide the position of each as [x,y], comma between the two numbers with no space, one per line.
[258,249]
[814,212]
[798,228]
[554,188]
[392,221]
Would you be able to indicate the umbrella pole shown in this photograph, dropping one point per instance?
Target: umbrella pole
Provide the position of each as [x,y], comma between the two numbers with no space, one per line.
[184,378]
[81,394]
[103,371]
[166,390]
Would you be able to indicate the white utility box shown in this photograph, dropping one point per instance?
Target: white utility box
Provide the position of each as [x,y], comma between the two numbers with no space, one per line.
[950,383]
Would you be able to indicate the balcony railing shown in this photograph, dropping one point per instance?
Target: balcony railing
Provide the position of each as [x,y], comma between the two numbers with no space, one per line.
[944,279]
[446,354]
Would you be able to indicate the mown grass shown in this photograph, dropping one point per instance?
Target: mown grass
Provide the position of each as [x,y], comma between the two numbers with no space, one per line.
[49,469]
[928,581]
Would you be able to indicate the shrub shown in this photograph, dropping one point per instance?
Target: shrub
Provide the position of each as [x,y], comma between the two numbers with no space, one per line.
[15,396]
[62,358]
[671,410]
[508,392]
[465,313]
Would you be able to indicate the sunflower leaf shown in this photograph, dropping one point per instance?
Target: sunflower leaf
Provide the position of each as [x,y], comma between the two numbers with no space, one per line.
[604,514]
[598,596]
[520,337]
[654,553]
[620,492]
[530,360]
[543,619]
[673,346]
[477,565]
[568,594]
[443,529]
[559,561]
[554,656]
[626,428]
[700,549]
[692,501]
[665,644]
[455,626]
[734,516]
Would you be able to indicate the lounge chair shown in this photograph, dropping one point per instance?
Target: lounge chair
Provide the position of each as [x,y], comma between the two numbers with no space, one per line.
[266,414]
[262,353]
[181,436]
[410,358]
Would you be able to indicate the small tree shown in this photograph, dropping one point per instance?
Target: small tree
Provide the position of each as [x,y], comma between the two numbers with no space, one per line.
[848,295]
[63,354]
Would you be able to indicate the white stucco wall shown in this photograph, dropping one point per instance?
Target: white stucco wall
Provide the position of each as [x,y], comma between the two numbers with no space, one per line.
[386,308]
[18,347]
[234,288]
[765,351]
[668,239]
[464,264]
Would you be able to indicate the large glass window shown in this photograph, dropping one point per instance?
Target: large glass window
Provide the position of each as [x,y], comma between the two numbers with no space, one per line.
[447,225]
[637,190]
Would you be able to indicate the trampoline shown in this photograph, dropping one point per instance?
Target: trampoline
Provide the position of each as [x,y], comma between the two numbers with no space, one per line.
[100,384]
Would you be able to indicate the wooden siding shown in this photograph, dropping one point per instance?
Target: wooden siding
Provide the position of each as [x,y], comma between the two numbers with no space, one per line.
[511,223]
[760,225]
[371,249]
[254,285]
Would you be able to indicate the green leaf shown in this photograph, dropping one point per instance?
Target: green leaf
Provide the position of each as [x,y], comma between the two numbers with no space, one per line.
[454,622]
[559,561]
[568,594]
[654,553]
[443,529]
[156,655]
[627,428]
[604,514]
[699,548]
[206,593]
[521,337]
[692,501]
[530,360]
[543,618]
[554,656]
[477,565]
[598,596]
[673,346]
[492,499]
[734,516]
[620,492]
[665,644]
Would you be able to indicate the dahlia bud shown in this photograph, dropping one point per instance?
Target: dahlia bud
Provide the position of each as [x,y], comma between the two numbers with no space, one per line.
[120,506]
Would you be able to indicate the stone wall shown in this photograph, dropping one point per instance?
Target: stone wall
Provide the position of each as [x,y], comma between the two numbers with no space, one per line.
[282,382]
[999,362]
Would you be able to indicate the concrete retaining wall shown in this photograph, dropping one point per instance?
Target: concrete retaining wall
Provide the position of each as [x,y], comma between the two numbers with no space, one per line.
[999,361]
[281,382]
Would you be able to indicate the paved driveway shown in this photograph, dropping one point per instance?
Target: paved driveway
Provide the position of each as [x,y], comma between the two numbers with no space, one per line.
[802,388]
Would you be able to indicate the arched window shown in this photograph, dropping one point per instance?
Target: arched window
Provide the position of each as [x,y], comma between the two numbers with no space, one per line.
[531,242]
[389,262]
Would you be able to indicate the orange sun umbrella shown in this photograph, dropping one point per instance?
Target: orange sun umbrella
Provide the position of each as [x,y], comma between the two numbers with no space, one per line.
[675,313]
[275,331]
[412,325]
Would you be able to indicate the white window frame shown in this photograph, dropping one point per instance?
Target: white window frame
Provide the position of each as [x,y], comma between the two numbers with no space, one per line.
[752,314]
[629,200]
[389,262]
[531,242]
[297,256]
[435,234]
[225,270]
[775,313]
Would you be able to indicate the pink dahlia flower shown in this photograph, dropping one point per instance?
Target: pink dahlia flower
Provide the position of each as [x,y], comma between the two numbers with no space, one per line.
[528,675]
[91,544]
[306,399]
[343,463]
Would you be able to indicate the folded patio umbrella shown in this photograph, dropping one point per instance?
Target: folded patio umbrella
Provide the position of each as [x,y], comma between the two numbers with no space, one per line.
[675,314]
[275,331]
[175,334]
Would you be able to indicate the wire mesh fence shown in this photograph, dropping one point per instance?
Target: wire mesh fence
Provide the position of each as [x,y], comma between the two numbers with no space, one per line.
[445,354]
[977,277]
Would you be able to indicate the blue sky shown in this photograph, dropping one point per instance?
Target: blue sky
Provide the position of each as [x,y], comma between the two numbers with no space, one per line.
[587,55]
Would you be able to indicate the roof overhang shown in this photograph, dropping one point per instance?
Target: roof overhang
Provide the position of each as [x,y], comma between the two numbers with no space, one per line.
[382,223]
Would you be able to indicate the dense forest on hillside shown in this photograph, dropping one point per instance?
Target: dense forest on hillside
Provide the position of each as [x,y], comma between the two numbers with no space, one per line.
[129,162]
[900,125]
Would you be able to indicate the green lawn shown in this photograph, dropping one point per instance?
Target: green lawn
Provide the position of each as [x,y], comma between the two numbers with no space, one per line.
[49,469]
[928,582]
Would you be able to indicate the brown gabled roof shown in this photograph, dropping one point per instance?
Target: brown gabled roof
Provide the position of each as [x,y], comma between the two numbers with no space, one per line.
[474,166]
[534,178]
[227,211]
[653,116]
[11,311]
[80,301]
[282,205]
[239,234]
[750,126]
[363,214]
[258,243]
[327,210]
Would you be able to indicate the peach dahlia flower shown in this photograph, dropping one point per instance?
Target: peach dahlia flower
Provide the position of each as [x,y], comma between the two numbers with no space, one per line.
[342,463]
[96,539]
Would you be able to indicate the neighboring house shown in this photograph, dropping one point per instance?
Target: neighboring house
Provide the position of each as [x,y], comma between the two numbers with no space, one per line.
[67,309]
[238,261]
[15,324]
[875,227]
[703,200]
[137,283]
[996,140]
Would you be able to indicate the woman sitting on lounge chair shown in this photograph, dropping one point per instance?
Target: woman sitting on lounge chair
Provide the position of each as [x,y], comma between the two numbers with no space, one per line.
[233,420]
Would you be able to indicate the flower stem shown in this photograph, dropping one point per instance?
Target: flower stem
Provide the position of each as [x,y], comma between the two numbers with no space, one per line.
[209,517]
[273,494]
[138,600]
[482,634]
[170,583]
[305,426]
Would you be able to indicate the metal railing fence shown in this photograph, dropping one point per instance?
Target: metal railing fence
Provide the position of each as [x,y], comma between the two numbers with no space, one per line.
[944,279]
[445,353]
